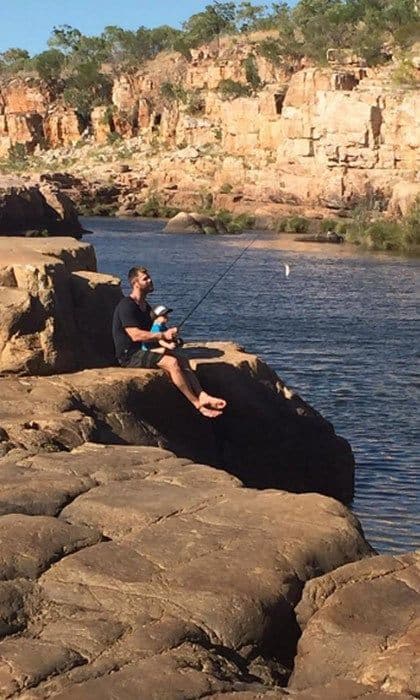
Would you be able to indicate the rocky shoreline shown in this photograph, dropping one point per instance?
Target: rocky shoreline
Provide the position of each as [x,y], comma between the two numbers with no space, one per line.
[147,553]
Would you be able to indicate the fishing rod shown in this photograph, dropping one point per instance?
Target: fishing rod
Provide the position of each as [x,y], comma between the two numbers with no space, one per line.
[219,279]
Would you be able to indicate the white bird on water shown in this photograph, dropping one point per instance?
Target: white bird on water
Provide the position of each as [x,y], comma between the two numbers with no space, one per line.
[286,269]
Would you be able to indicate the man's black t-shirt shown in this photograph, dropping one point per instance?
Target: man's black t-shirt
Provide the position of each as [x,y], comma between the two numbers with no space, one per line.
[128,314]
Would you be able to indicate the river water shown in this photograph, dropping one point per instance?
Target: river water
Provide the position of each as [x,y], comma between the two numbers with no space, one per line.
[341,330]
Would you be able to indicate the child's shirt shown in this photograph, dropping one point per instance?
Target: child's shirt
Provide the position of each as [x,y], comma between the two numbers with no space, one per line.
[156,328]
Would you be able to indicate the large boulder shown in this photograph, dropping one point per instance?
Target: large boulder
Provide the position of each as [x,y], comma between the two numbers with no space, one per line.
[129,572]
[183,223]
[30,209]
[361,623]
[268,436]
[194,223]
[56,309]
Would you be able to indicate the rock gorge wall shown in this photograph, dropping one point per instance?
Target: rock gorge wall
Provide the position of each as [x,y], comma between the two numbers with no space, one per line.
[311,137]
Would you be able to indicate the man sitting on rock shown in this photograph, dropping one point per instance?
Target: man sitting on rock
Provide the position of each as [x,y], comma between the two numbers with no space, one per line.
[133,319]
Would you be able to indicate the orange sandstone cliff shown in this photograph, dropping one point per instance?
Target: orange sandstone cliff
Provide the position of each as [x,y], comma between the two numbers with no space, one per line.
[311,138]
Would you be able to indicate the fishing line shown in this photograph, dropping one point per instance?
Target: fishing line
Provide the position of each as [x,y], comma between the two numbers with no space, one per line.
[190,313]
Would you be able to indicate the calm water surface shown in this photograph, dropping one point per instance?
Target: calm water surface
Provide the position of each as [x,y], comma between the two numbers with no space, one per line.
[341,330]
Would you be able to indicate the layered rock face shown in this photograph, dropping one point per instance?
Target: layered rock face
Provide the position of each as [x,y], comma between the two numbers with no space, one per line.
[309,137]
[56,309]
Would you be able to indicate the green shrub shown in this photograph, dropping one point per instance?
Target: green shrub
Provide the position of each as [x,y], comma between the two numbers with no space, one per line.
[405,74]
[113,137]
[87,87]
[17,156]
[206,203]
[342,228]
[293,224]
[90,208]
[173,92]
[167,212]
[328,225]
[14,60]
[49,64]
[235,224]
[231,89]
[270,49]
[108,114]
[298,224]
[412,224]
[154,208]
[385,235]
[244,220]
[252,75]
[226,188]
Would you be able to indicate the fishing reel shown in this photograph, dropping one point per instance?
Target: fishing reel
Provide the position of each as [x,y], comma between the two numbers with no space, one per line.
[178,342]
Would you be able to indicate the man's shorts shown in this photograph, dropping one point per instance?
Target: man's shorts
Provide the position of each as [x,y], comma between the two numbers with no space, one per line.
[144,359]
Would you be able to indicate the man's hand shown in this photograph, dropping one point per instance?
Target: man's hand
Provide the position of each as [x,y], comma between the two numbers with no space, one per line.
[170,334]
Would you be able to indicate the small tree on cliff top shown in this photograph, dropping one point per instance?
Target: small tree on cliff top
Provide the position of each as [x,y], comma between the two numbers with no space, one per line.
[86,89]
[126,49]
[49,64]
[14,60]
[211,22]
[65,38]
[251,17]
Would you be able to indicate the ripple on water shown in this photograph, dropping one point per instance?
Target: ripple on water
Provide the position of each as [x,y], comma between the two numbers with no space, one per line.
[342,330]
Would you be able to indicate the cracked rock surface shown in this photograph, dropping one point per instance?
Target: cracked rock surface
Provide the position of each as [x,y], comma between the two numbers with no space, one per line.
[362,623]
[126,572]
[268,436]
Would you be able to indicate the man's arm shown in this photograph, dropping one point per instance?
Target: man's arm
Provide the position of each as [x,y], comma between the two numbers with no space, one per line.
[169,345]
[137,335]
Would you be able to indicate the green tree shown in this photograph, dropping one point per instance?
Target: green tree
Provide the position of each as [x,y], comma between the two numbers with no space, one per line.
[251,17]
[14,60]
[49,64]
[325,24]
[126,49]
[211,22]
[86,88]
[65,38]
[282,19]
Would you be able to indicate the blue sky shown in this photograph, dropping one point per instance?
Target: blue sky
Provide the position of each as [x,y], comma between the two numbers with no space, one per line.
[27,24]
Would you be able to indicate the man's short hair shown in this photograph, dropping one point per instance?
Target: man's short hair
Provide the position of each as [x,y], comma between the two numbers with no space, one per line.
[135,271]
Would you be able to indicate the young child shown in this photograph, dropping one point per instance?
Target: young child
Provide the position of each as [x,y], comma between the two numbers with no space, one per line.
[160,324]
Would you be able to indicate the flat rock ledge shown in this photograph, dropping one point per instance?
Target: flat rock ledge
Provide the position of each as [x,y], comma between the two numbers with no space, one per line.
[269,437]
[126,572]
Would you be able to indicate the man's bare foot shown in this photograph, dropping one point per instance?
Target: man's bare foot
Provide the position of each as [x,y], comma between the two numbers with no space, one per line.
[212,402]
[209,412]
